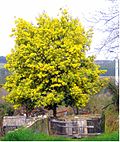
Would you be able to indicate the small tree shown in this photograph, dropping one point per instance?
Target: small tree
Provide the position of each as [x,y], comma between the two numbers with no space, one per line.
[114,88]
[49,65]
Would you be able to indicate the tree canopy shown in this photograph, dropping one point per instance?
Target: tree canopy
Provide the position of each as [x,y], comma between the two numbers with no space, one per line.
[48,64]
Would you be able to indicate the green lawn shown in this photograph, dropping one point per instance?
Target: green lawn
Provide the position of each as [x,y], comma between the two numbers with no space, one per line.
[29,135]
[114,136]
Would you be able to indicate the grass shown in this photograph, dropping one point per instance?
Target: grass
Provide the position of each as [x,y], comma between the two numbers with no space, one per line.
[114,136]
[29,135]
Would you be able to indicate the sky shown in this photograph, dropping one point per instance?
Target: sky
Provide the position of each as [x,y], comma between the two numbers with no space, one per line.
[30,9]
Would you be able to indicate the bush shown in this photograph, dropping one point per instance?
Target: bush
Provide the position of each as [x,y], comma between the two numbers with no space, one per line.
[28,135]
[114,89]
[106,102]
[111,119]
[17,135]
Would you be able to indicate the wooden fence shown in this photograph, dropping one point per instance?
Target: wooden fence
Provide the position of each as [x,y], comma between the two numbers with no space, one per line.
[80,126]
[77,128]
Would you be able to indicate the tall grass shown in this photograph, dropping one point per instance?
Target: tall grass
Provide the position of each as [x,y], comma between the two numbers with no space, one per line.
[111,119]
[29,135]
[101,100]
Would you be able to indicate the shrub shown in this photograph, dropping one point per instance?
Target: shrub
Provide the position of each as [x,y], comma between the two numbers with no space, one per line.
[111,119]
[24,134]
[106,102]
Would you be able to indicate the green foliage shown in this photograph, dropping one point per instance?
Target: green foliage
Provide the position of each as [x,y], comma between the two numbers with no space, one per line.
[112,112]
[111,119]
[103,103]
[6,109]
[49,66]
[29,135]
[99,101]
[114,88]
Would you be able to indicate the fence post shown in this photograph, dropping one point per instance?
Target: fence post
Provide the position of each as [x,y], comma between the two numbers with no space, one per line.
[69,125]
[85,127]
[103,122]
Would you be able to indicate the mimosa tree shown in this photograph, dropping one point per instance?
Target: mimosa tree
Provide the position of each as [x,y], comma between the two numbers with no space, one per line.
[48,64]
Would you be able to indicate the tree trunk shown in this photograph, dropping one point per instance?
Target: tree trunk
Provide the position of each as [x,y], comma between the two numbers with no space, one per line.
[27,111]
[77,111]
[54,110]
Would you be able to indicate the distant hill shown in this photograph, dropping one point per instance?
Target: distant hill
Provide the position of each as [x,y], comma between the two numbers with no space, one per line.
[3,92]
[2,65]
[3,71]
[108,65]
[3,74]
[2,59]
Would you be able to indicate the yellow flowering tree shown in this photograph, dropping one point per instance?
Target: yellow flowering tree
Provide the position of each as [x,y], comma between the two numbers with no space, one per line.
[48,64]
